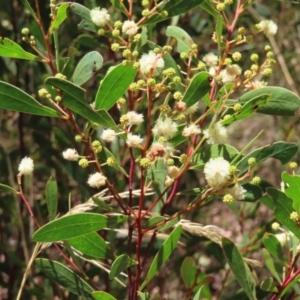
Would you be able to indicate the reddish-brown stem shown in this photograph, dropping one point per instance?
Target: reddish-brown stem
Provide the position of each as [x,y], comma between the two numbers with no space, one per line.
[28,206]
[46,38]
[289,278]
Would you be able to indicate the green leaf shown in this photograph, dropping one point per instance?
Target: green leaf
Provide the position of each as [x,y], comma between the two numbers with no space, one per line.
[81,11]
[119,5]
[87,67]
[85,14]
[121,263]
[102,205]
[114,85]
[268,202]
[11,49]
[293,189]
[248,109]
[272,245]
[163,254]
[74,99]
[270,264]
[157,173]
[188,271]
[144,296]
[198,87]
[174,8]
[280,150]
[51,197]
[6,188]
[198,294]
[65,277]
[91,244]
[102,296]
[208,6]
[253,192]
[239,268]
[184,41]
[268,285]
[154,220]
[226,151]
[282,101]
[59,17]
[283,210]
[12,98]
[74,225]
[29,8]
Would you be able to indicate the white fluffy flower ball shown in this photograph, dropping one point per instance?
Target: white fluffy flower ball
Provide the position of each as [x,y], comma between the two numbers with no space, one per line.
[211,59]
[130,27]
[133,140]
[217,172]
[70,154]
[151,61]
[96,180]
[268,27]
[134,118]
[108,135]
[191,129]
[26,166]
[234,70]
[237,192]
[99,16]
[165,127]
[216,134]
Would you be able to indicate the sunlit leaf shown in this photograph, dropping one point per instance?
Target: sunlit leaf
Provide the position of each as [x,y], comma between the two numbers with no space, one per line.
[293,189]
[8,48]
[283,210]
[60,16]
[102,296]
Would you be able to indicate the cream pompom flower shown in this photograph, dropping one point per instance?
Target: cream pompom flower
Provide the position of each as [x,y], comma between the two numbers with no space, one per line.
[165,127]
[217,172]
[151,61]
[130,27]
[191,129]
[26,166]
[99,16]
[210,59]
[237,192]
[70,154]
[216,134]
[96,180]
[134,118]
[108,135]
[268,27]
[133,140]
